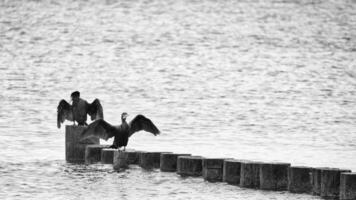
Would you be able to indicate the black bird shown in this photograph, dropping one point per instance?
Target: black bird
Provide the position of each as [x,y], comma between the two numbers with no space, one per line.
[78,111]
[102,129]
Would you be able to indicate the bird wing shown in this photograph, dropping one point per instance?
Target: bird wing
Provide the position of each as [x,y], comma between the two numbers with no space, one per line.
[64,112]
[95,110]
[140,122]
[100,129]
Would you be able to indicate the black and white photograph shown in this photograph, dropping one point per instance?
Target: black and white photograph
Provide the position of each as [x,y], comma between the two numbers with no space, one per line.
[177,99]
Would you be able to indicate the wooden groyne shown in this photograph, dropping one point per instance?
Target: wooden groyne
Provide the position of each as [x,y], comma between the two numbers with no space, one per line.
[329,183]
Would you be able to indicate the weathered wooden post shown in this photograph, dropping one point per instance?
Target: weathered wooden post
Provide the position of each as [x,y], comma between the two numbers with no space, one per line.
[274,176]
[299,179]
[133,157]
[250,174]
[168,162]
[75,149]
[190,165]
[107,155]
[120,161]
[213,169]
[93,153]
[330,182]
[231,171]
[150,160]
[347,186]
[315,180]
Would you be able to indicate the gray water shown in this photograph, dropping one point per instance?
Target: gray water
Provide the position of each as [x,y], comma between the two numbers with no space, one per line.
[259,80]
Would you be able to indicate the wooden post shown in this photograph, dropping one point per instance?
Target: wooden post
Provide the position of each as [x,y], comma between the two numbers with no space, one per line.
[133,157]
[190,165]
[213,169]
[231,171]
[107,155]
[120,161]
[93,153]
[316,173]
[299,179]
[150,160]
[347,186]
[75,149]
[168,162]
[274,176]
[330,182]
[250,174]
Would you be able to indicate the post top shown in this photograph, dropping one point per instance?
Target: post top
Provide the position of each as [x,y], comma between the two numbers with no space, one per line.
[276,163]
[320,168]
[236,160]
[179,154]
[217,159]
[301,167]
[251,162]
[137,151]
[109,149]
[97,146]
[154,152]
[334,169]
[190,157]
[348,173]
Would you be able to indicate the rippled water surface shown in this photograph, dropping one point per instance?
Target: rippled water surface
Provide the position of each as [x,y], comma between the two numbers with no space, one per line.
[261,80]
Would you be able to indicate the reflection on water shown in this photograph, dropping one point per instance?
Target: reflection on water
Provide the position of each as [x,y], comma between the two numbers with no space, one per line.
[270,80]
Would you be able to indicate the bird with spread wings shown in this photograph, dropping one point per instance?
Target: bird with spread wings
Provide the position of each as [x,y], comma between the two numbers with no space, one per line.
[121,133]
[78,111]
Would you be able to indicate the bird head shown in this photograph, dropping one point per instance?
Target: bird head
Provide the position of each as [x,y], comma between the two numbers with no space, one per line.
[75,96]
[124,116]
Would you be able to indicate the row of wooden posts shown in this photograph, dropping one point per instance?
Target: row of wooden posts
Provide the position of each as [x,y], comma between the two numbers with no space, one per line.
[329,183]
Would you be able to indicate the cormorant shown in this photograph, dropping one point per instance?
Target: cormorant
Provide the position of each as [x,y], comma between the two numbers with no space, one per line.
[77,112]
[102,129]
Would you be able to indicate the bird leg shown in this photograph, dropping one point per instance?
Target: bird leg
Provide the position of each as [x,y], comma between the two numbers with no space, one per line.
[73,116]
